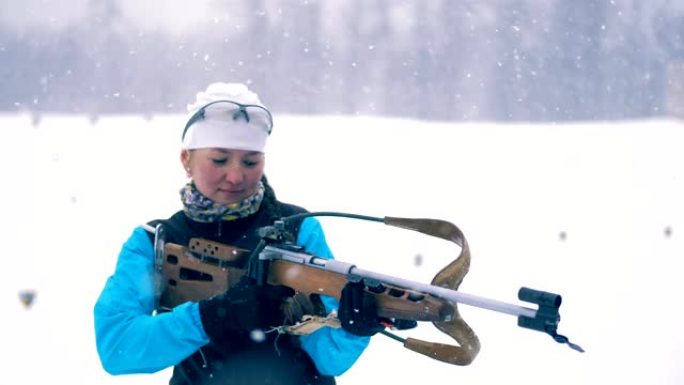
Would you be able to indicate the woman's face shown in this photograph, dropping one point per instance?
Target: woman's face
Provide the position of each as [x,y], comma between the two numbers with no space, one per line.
[225,176]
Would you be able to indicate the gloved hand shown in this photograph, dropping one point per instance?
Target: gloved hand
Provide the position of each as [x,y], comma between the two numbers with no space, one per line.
[403,324]
[358,310]
[244,307]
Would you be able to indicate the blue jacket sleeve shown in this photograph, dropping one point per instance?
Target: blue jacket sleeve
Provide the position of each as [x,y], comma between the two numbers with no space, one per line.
[129,338]
[333,351]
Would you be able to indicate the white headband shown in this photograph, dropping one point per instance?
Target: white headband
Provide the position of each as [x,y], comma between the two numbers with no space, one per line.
[227,115]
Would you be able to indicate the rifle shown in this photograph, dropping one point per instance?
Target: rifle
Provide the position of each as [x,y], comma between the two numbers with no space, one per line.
[205,268]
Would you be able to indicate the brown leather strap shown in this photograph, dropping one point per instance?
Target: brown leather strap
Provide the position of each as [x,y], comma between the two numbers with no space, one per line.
[450,277]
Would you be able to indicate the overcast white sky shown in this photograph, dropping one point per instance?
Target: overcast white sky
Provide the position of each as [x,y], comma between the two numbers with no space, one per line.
[177,15]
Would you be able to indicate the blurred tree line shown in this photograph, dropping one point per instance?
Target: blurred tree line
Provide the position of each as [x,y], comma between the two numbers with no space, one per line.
[508,60]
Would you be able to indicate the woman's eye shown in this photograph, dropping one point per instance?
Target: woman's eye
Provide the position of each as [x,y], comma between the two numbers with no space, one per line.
[250,163]
[219,161]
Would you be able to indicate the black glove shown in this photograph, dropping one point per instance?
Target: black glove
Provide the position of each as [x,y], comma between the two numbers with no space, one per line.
[358,310]
[244,307]
[403,324]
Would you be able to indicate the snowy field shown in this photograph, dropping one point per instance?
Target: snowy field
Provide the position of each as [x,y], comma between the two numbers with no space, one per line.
[592,211]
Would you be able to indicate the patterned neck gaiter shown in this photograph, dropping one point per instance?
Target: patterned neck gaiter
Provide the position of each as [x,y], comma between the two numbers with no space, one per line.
[202,209]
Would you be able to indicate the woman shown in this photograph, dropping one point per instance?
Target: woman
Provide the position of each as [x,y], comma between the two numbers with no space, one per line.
[226,200]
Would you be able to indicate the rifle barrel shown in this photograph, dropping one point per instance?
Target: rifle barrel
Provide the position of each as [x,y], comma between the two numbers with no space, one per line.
[449,294]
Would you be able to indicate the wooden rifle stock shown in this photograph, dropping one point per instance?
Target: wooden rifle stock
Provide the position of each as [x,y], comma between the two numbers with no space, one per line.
[393,301]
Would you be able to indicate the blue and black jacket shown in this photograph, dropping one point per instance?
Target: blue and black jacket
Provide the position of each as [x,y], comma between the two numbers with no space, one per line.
[130,339]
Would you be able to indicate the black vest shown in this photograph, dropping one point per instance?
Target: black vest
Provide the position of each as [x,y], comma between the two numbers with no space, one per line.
[278,360]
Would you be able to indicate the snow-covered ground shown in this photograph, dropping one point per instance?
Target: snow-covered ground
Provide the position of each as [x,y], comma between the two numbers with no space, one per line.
[592,211]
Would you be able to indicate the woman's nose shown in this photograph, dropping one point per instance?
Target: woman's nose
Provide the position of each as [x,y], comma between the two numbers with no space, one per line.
[234,175]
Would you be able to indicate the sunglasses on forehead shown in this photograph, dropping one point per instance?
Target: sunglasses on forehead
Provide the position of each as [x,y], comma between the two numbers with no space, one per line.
[250,113]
